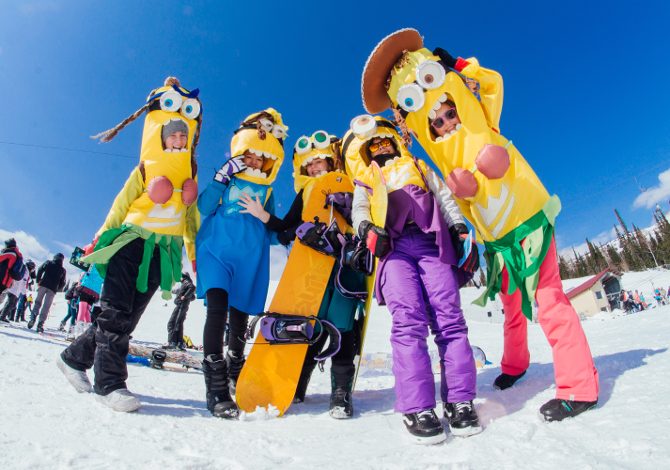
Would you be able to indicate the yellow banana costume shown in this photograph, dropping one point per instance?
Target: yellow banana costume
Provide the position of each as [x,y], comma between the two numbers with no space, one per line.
[157,201]
[494,185]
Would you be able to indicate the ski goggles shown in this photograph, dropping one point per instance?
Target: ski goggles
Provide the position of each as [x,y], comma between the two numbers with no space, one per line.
[383,143]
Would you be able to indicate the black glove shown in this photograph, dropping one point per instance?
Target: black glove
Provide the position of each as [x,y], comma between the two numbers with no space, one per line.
[445,57]
[376,238]
[286,237]
[459,233]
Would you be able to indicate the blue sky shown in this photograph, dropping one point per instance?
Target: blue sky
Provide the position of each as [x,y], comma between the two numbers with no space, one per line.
[585,92]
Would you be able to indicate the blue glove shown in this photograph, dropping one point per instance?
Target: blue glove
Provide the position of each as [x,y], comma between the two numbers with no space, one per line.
[231,167]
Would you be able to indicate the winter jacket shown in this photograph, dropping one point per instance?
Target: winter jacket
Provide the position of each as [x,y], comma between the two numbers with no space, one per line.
[185,293]
[8,257]
[51,275]
[19,287]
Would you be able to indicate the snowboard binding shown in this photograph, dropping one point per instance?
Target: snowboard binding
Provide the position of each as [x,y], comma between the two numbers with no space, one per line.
[320,237]
[278,329]
[158,357]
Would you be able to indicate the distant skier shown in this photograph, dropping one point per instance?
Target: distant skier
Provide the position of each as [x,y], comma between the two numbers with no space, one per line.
[51,278]
[184,296]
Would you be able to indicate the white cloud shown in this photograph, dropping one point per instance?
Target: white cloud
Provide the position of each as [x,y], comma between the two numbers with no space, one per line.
[28,245]
[654,195]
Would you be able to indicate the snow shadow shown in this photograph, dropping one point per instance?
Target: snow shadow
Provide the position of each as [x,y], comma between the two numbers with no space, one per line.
[158,406]
[540,377]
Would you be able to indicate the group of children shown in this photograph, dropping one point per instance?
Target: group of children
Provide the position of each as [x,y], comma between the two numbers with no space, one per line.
[452,106]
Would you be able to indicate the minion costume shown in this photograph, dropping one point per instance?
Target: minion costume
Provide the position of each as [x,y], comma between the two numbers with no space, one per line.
[335,307]
[497,190]
[233,249]
[418,279]
[139,247]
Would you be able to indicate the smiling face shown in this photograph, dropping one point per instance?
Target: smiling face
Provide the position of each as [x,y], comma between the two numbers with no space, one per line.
[176,141]
[446,120]
[253,160]
[318,167]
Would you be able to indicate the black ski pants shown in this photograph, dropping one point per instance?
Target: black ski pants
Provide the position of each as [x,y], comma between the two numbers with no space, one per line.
[105,346]
[9,309]
[175,326]
[215,324]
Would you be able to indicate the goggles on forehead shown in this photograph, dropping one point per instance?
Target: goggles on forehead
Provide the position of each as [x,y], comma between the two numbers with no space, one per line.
[319,140]
[277,130]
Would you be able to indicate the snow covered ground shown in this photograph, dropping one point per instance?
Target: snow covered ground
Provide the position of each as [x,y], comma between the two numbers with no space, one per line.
[44,423]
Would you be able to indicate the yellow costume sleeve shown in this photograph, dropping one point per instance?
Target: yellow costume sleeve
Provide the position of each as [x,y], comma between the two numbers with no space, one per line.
[133,189]
[191,230]
[490,90]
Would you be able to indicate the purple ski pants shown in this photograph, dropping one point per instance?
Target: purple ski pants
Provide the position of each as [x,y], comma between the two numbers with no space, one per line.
[422,292]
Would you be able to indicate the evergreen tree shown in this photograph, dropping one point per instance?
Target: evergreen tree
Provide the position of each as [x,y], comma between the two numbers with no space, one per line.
[616,263]
[563,268]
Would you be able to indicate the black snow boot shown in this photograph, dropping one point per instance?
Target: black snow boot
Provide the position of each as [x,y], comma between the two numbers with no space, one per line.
[463,419]
[425,427]
[40,327]
[504,381]
[557,409]
[235,361]
[31,322]
[341,405]
[219,401]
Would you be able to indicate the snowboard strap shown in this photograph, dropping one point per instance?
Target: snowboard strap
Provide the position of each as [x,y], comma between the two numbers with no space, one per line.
[278,329]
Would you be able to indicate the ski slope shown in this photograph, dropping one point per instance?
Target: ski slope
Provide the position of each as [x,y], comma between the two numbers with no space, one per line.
[44,423]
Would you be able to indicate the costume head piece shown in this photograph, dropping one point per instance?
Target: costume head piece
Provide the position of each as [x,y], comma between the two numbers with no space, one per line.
[263,134]
[362,130]
[319,145]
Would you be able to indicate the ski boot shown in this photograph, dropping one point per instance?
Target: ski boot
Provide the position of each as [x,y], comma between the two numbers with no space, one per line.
[462,418]
[170,346]
[61,327]
[40,327]
[557,409]
[69,336]
[181,346]
[31,322]
[341,405]
[219,401]
[424,427]
[504,381]
[234,361]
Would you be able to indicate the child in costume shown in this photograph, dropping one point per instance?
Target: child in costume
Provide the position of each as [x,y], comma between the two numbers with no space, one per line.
[417,277]
[233,251]
[314,157]
[138,249]
[453,108]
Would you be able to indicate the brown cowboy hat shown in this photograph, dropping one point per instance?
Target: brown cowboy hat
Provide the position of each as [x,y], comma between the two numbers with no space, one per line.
[379,65]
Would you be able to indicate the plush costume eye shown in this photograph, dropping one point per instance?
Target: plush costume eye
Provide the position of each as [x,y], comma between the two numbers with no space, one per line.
[171,101]
[321,139]
[363,126]
[303,145]
[430,75]
[190,109]
[410,97]
[266,124]
[279,131]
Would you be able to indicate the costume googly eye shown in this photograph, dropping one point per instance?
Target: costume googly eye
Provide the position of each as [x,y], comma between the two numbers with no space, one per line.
[363,126]
[279,131]
[170,101]
[410,97]
[321,139]
[303,145]
[190,109]
[430,74]
[266,124]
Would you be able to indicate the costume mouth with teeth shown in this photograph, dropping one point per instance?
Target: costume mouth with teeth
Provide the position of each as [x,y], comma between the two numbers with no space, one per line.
[319,146]
[263,134]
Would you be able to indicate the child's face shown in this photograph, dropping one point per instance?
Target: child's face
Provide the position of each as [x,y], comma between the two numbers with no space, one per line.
[176,140]
[317,167]
[446,119]
[252,160]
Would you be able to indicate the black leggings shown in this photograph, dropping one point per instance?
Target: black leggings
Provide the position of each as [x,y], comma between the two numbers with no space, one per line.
[215,324]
